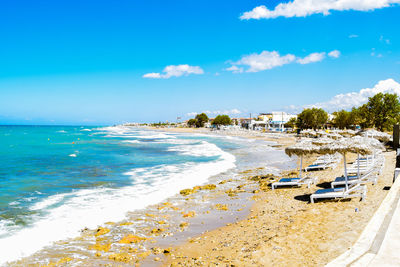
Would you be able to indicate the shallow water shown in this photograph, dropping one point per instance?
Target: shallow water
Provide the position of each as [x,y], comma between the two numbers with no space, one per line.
[68,178]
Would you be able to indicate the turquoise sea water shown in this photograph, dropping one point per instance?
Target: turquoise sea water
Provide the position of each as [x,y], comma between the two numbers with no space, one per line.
[54,178]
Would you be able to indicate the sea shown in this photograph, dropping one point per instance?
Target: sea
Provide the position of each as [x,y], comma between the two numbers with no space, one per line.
[57,180]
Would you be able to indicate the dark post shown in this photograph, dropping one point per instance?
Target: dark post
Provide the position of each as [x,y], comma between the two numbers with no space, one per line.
[396,136]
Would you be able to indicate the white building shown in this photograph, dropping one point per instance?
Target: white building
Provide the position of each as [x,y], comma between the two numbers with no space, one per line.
[276,120]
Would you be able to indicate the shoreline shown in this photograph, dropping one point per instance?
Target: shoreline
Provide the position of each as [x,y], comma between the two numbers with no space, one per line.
[240,222]
[172,217]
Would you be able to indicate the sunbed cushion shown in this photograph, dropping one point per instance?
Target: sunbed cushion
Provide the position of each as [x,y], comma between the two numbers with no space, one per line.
[288,180]
[342,178]
[316,165]
[329,190]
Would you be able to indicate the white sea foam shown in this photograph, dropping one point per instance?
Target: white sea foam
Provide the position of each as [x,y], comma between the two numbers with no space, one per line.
[86,130]
[132,141]
[14,203]
[72,155]
[48,202]
[129,132]
[203,149]
[67,214]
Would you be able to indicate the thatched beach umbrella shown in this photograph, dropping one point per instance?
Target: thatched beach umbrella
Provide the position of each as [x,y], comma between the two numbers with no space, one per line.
[381,136]
[322,141]
[346,133]
[373,145]
[346,145]
[300,149]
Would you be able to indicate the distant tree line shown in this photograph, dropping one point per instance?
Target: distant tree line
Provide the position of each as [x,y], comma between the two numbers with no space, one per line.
[198,121]
[381,112]
[201,119]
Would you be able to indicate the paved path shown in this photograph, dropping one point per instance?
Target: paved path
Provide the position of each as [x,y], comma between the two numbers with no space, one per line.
[379,243]
[389,251]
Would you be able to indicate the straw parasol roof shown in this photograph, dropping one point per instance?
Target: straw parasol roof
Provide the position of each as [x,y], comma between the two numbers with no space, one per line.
[347,145]
[346,133]
[374,143]
[302,148]
[322,141]
[334,136]
[381,136]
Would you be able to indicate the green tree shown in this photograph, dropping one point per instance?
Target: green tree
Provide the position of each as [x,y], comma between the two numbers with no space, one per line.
[382,111]
[312,118]
[291,123]
[344,119]
[201,119]
[192,122]
[222,120]
[360,116]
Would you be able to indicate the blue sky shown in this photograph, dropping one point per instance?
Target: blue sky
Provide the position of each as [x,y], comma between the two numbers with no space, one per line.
[84,62]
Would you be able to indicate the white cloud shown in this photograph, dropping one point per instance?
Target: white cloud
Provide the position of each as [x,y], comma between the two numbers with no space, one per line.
[271,59]
[235,69]
[334,54]
[353,36]
[152,75]
[384,40]
[303,8]
[174,71]
[355,99]
[313,57]
[234,111]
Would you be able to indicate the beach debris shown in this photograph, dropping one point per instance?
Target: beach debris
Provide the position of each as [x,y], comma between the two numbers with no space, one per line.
[269,176]
[186,192]
[102,231]
[189,191]
[110,223]
[208,187]
[188,214]
[167,205]
[144,255]
[125,223]
[122,257]
[58,263]
[129,239]
[101,247]
[157,250]
[167,250]
[161,222]
[183,224]
[157,230]
[221,207]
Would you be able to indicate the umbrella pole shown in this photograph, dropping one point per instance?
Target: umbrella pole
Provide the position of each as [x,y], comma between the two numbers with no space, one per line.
[358,165]
[345,171]
[301,165]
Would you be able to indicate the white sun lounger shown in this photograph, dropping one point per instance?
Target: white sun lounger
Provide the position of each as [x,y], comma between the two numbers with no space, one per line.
[321,166]
[371,176]
[294,182]
[355,190]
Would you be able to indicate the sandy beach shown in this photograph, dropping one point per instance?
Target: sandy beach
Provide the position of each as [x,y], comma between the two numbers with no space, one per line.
[284,229]
[233,222]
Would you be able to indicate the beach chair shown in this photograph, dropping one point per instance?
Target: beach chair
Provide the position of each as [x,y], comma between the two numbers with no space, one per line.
[321,166]
[371,176]
[294,182]
[355,190]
